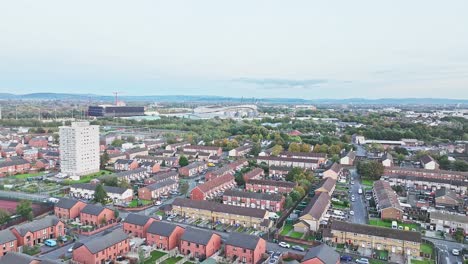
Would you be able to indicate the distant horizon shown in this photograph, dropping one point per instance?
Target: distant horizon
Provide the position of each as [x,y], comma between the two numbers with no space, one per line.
[111,96]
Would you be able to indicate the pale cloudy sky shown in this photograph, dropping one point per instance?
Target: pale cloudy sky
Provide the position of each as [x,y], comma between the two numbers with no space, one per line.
[306,49]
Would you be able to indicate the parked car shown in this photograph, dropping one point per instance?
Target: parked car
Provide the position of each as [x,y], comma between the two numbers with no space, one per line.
[362,261]
[50,243]
[70,249]
[298,248]
[276,255]
[455,252]
[64,239]
[346,258]
[158,202]
[351,212]
[284,245]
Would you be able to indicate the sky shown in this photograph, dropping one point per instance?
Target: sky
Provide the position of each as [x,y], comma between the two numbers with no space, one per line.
[290,49]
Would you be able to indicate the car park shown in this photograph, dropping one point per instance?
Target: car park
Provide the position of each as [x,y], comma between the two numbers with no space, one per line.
[284,245]
[298,248]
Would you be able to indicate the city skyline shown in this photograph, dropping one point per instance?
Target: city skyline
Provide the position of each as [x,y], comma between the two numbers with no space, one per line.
[259,49]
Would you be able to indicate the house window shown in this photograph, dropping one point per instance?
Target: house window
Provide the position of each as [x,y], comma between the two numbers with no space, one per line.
[12,244]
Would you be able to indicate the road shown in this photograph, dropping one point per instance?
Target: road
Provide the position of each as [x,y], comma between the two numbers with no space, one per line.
[358,206]
[445,250]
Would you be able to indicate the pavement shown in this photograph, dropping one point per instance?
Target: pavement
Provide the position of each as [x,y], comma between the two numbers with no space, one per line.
[358,206]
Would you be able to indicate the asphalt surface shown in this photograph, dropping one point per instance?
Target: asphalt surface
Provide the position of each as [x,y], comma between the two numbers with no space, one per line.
[445,251]
[358,206]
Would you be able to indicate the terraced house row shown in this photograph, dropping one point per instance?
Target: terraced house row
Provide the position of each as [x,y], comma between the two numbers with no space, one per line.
[271,202]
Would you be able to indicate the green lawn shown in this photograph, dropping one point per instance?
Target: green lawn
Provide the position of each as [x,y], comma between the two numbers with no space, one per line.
[286,229]
[134,203]
[172,260]
[340,205]
[88,178]
[388,224]
[427,248]
[367,183]
[26,175]
[155,255]
[295,234]
[376,261]
[424,261]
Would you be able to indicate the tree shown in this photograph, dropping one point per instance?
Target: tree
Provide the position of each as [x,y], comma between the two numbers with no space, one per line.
[256,149]
[100,195]
[117,143]
[295,196]
[4,216]
[294,147]
[288,202]
[371,170]
[334,150]
[104,159]
[110,181]
[459,235]
[163,163]
[116,213]
[183,161]
[305,147]
[183,188]
[24,208]
[276,150]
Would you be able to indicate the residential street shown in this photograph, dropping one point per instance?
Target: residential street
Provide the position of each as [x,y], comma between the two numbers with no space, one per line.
[445,251]
[359,206]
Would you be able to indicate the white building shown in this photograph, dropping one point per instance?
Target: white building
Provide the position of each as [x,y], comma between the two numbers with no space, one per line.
[79,149]
[86,191]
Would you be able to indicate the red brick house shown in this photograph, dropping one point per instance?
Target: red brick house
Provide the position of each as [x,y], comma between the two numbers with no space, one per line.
[44,164]
[102,249]
[192,169]
[199,243]
[215,151]
[270,186]
[150,166]
[38,142]
[256,173]
[15,166]
[96,215]
[272,202]
[213,187]
[155,190]
[164,235]
[218,173]
[238,164]
[37,231]
[245,248]
[68,208]
[8,242]
[137,225]
[125,165]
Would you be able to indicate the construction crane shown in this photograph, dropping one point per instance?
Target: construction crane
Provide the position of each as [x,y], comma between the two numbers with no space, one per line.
[116,97]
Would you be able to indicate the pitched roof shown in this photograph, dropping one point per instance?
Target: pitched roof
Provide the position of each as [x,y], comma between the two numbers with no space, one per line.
[328,184]
[253,173]
[105,241]
[273,183]
[66,203]
[303,154]
[124,161]
[207,186]
[351,154]
[323,252]
[13,162]
[449,217]
[387,156]
[130,172]
[197,236]
[426,159]
[194,165]
[160,184]
[137,219]
[385,195]
[161,228]
[218,207]
[335,167]
[317,205]
[376,231]
[92,209]
[16,258]
[6,236]
[254,195]
[243,240]
[36,225]
[108,189]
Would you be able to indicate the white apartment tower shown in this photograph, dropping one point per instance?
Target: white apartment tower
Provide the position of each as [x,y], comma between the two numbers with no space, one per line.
[79,149]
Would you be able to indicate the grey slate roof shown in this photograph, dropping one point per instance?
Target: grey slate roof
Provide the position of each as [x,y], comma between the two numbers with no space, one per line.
[160,184]
[108,189]
[242,240]
[36,225]
[16,258]
[66,203]
[219,207]
[105,241]
[137,219]
[254,195]
[6,236]
[376,231]
[323,252]
[197,236]
[13,162]
[92,209]
[161,228]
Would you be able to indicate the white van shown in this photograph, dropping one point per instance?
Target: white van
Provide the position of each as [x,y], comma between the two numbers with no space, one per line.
[338,212]
[360,191]
[394,225]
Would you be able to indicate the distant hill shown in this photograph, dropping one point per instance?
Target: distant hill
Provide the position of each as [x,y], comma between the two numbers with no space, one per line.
[215,99]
